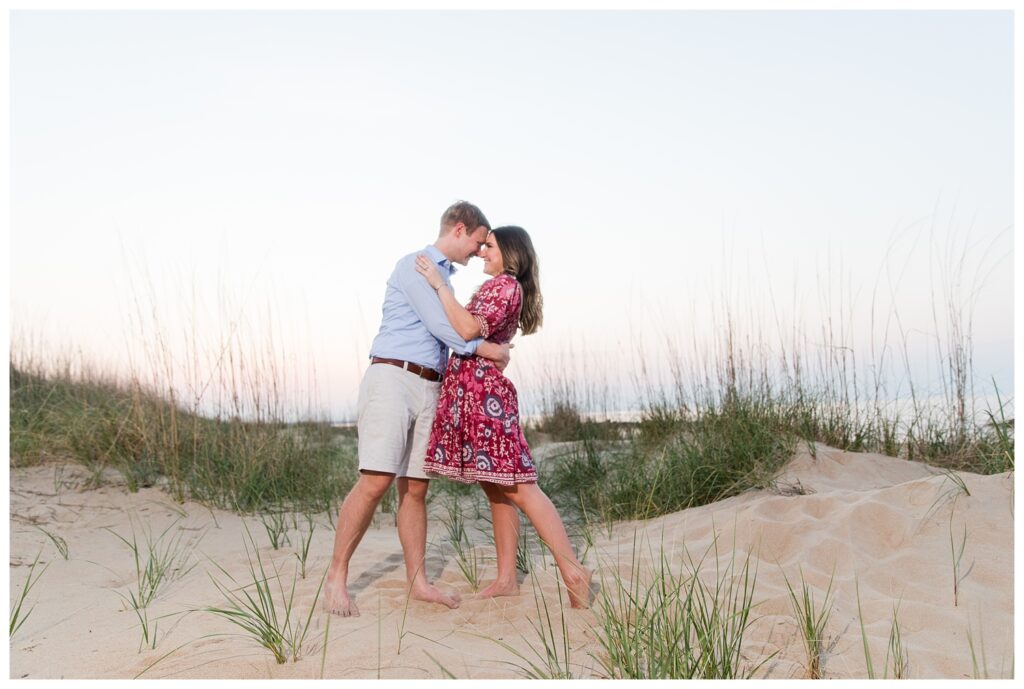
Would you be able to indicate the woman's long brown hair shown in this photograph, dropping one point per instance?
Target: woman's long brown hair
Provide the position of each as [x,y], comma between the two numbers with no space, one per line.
[520,261]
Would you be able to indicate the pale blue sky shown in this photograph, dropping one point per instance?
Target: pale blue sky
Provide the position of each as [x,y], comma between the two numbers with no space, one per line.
[666,164]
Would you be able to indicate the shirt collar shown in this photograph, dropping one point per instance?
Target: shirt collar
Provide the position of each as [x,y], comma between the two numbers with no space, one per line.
[437,257]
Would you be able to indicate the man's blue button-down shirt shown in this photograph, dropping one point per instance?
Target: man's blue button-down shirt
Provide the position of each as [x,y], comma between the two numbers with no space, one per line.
[414,326]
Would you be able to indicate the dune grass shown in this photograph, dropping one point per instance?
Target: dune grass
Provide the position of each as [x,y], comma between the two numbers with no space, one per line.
[305,541]
[869,665]
[18,614]
[276,526]
[158,561]
[957,558]
[897,659]
[673,458]
[551,655]
[147,633]
[58,541]
[812,621]
[666,617]
[269,619]
[466,556]
[676,622]
[223,461]
[980,661]
[851,378]
[685,462]
[736,401]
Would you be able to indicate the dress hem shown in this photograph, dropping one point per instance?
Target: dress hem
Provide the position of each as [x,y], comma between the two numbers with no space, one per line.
[470,476]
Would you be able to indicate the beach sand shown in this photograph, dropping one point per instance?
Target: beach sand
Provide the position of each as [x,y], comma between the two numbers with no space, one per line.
[876,522]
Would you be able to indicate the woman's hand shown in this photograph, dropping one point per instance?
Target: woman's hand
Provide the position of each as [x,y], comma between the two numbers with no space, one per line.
[426,268]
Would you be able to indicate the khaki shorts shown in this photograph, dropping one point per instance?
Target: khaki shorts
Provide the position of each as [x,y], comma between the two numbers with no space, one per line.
[396,411]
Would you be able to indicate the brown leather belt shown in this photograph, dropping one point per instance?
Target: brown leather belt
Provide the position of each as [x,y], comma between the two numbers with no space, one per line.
[427,373]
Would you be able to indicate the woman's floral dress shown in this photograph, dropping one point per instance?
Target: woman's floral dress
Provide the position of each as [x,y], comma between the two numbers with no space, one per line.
[476,434]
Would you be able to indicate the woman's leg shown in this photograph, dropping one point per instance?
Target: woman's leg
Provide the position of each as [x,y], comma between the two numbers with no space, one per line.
[545,519]
[505,519]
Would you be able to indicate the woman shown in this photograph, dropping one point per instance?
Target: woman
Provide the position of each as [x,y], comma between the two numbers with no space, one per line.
[476,436]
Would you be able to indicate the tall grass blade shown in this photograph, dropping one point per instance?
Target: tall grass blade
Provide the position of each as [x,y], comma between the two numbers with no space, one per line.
[18,616]
[864,635]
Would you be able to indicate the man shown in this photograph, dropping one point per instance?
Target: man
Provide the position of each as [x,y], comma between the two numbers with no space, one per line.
[397,401]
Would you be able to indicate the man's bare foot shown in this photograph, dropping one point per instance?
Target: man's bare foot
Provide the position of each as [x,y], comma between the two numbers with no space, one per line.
[337,601]
[500,588]
[578,584]
[429,593]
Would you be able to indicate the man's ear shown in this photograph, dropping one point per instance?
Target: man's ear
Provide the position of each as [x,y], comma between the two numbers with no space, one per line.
[459,229]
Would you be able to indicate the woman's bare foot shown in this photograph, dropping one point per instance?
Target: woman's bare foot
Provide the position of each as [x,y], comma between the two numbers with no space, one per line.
[337,601]
[429,593]
[500,588]
[578,584]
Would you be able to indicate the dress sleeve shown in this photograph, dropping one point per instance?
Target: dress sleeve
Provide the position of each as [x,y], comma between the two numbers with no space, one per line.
[494,304]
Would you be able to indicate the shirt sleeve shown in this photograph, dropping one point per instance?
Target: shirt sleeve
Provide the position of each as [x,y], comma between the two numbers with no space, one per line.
[492,305]
[427,305]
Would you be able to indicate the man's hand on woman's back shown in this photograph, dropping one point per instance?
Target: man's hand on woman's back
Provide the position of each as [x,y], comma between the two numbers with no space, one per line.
[498,353]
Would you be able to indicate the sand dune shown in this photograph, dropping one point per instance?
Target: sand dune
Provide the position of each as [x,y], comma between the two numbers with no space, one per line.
[881,523]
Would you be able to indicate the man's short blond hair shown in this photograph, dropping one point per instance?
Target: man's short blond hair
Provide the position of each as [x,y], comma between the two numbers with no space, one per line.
[463,212]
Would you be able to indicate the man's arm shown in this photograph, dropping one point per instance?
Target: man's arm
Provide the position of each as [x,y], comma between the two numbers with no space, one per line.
[461,319]
[423,300]
[465,323]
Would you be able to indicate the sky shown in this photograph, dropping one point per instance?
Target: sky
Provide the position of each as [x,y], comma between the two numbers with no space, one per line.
[183,180]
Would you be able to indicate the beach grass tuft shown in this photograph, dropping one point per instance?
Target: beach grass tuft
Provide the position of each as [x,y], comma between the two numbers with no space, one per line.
[676,622]
[305,541]
[466,555]
[158,561]
[274,625]
[812,621]
[276,525]
[897,659]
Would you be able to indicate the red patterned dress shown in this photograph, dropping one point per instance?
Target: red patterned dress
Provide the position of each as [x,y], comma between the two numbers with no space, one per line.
[476,434]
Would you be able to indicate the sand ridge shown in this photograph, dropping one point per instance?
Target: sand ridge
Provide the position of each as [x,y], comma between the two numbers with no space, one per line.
[876,522]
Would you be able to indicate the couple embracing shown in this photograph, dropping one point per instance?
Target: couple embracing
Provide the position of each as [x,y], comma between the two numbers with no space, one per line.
[423,414]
